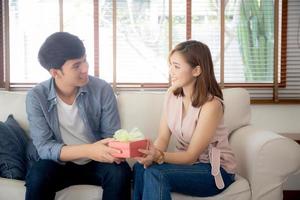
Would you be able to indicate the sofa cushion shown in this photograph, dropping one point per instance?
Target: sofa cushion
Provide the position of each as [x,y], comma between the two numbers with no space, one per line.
[148,107]
[14,104]
[12,189]
[237,108]
[16,190]
[238,190]
[13,142]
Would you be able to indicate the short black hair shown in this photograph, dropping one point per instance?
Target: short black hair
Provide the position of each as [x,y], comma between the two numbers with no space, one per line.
[58,48]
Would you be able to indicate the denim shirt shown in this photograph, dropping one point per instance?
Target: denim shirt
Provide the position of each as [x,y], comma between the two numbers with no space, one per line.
[97,107]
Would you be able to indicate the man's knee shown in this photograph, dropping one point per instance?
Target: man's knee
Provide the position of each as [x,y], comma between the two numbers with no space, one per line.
[121,171]
[118,173]
[41,173]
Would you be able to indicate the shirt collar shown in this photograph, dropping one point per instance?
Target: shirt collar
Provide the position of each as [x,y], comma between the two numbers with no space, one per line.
[52,93]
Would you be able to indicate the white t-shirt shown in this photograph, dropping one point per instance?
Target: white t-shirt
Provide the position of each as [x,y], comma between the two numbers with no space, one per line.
[72,128]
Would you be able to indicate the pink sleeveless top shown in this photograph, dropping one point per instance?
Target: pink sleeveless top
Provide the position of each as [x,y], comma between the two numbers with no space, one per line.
[218,152]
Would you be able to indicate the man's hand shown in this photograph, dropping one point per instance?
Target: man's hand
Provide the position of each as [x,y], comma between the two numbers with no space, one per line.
[101,152]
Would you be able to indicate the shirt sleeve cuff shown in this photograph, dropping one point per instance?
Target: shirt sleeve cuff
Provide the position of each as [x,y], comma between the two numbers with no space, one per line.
[56,150]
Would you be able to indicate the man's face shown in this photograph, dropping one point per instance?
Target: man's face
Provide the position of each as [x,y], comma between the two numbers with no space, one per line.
[74,72]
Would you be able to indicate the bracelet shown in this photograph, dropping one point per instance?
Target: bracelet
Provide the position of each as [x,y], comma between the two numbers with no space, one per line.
[160,160]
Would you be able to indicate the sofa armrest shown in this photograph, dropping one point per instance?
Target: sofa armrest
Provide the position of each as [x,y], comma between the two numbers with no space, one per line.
[265,159]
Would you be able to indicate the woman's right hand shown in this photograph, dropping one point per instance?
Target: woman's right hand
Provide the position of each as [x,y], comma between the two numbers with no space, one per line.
[150,155]
[101,152]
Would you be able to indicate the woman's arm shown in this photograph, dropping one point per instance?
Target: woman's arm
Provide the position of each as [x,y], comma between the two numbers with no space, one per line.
[160,144]
[164,134]
[208,121]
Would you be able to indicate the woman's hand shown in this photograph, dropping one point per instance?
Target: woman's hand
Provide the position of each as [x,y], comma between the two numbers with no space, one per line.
[99,151]
[150,155]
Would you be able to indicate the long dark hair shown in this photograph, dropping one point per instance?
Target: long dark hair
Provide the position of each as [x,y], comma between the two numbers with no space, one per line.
[195,54]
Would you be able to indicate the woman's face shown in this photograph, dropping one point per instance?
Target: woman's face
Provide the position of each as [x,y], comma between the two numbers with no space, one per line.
[180,71]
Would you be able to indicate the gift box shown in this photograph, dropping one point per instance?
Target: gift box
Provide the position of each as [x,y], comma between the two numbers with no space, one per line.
[129,149]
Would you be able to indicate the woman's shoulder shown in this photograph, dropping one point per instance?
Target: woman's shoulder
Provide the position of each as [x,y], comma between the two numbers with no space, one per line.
[214,104]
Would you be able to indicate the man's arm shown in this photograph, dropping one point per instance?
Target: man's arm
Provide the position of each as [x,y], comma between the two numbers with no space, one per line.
[109,123]
[43,137]
[110,119]
[49,148]
[98,151]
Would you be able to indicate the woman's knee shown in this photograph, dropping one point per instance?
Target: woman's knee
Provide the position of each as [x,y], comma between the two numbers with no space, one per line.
[138,169]
[153,173]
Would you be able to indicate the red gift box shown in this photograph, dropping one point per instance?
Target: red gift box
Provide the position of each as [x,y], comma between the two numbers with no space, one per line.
[129,149]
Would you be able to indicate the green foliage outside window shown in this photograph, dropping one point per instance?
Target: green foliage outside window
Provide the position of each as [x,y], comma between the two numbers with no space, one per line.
[256,39]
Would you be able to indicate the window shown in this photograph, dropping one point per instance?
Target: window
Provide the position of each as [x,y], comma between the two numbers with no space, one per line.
[127,42]
[249,41]
[142,41]
[30,22]
[206,27]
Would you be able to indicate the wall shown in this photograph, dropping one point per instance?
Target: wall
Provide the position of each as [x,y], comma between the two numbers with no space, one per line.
[279,118]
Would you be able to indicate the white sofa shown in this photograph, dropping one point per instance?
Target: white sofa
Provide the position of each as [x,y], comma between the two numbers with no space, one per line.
[265,159]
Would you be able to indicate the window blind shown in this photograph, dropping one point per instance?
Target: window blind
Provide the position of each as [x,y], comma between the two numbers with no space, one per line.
[78,19]
[206,28]
[179,22]
[106,40]
[128,41]
[142,41]
[249,41]
[30,23]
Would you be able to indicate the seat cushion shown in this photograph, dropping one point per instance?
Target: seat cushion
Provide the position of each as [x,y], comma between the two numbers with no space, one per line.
[236,191]
[14,189]
[79,192]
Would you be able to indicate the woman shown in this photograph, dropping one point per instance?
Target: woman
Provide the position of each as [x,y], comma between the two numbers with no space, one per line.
[203,163]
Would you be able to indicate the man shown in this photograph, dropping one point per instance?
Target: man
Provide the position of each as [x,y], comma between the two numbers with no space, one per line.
[72,117]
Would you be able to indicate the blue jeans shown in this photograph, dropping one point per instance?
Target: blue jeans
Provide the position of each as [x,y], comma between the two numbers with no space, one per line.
[158,181]
[46,177]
